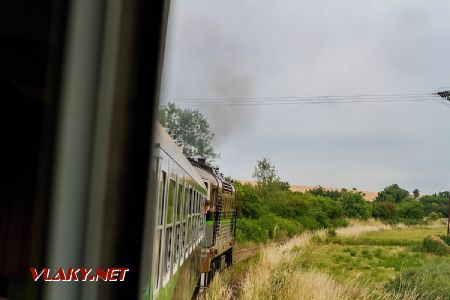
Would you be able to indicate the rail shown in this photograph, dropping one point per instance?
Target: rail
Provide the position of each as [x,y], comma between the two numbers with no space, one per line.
[243,254]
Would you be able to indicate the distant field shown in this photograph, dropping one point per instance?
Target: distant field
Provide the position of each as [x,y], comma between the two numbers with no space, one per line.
[359,263]
[369,196]
[417,233]
[374,257]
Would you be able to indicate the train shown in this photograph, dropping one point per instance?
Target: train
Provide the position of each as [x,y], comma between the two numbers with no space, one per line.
[194,223]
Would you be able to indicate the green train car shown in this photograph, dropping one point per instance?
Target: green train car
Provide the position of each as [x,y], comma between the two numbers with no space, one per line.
[191,230]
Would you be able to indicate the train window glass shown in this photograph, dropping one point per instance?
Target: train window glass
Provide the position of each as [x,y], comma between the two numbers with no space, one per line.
[186,203]
[183,238]
[168,251]
[197,206]
[194,200]
[157,259]
[177,244]
[162,191]
[188,232]
[197,202]
[191,196]
[180,203]
[170,201]
[194,228]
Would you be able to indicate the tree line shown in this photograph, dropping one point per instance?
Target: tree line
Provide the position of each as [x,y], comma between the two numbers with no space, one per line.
[270,210]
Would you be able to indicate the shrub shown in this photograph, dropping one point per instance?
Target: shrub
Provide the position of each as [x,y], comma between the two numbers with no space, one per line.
[433,244]
[336,223]
[433,217]
[249,230]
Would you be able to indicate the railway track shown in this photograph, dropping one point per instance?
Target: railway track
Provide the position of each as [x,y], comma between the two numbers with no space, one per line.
[243,254]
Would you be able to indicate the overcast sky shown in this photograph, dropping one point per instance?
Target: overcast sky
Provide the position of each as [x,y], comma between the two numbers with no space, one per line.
[296,48]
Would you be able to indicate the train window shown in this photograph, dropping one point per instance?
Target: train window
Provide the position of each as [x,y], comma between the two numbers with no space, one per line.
[162,191]
[194,226]
[197,203]
[177,244]
[157,259]
[170,201]
[194,209]
[190,201]
[194,198]
[168,251]
[182,239]
[188,232]
[186,203]
[180,203]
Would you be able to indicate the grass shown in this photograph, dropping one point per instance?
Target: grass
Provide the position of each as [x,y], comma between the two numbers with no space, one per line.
[417,233]
[364,261]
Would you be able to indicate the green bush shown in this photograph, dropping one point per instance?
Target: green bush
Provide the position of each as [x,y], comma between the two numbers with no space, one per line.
[433,216]
[435,245]
[430,281]
[249,230]
[278,227]
[335,223]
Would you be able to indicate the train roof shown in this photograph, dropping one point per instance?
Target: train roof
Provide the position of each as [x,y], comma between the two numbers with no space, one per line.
[167,144]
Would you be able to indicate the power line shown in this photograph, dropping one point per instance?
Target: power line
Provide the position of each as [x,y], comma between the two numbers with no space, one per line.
[300,100]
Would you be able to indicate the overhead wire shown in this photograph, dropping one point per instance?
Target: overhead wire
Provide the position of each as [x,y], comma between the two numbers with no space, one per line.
[301,100]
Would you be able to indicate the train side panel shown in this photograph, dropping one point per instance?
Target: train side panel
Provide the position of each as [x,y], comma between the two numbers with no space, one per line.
[179,228]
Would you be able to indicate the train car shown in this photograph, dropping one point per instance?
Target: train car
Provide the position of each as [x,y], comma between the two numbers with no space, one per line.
[179,223]
[220,224]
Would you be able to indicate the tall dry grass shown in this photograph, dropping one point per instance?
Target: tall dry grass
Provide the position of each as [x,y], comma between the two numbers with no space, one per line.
[276,275]
[357,227]
[219,289]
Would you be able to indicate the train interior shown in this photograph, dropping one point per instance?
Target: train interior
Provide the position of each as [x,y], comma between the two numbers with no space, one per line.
[34,59]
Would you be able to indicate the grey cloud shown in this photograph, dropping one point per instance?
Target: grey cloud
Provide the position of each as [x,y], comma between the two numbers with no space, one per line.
[318,47]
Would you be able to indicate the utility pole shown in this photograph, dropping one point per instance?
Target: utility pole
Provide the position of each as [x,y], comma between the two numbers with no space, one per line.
[446,95]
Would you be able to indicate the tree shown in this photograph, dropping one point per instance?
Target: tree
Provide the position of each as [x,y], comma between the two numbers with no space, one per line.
[384,210]
[265,173]
[189,129]
[354,205]
[393,193]
[416,193]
